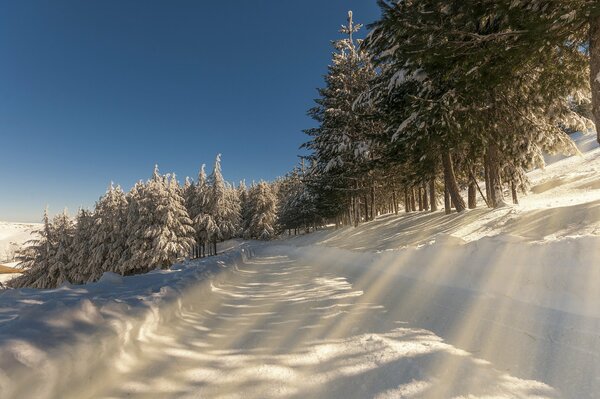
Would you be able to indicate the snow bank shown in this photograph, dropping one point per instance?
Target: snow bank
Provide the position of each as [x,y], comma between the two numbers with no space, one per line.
[63,340]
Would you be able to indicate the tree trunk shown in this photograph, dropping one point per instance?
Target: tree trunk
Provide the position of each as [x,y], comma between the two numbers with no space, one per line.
[421,208]
[432,198]
[395,202]
[515,197]
[496,192]
[472,194]
[366,209]
[373,211]
[215,247]
[447,202]
[450,182]
[595,70]
[406,201]
[486,174]
[425,197]
[413,200]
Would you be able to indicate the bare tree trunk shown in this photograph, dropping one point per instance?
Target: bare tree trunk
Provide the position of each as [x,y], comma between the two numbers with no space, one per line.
[486,174]
[373,210]
[447,202]
[515,197]
[420,193]
[450,180]
[406,201]
[413,200]
[366,209]
[432,196]
[595,70]
[395,202]
[472,194]
[425,197]
[495,191]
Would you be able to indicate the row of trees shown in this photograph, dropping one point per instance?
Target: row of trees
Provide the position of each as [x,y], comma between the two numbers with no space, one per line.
[152,226]
[442,95]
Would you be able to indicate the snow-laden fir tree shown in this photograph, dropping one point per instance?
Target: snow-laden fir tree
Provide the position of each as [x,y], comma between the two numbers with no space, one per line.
[160,230]
[58,270]
[342,144]
[36,256]
[470,94]
[245,215]
[109,239]
[221,220]
[263,208]
[198,208]
[81,249]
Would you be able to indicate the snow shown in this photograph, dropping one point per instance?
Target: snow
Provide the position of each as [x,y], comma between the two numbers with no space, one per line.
[17,233]
[12,236]
[491,303]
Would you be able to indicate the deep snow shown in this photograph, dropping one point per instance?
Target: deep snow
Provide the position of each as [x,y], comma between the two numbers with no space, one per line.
[489,304]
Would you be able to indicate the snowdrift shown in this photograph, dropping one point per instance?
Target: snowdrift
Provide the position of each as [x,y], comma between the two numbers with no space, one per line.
[62,343]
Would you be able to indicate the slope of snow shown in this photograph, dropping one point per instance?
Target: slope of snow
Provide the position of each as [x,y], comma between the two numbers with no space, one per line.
[564,202]
[12,236]
[17,233]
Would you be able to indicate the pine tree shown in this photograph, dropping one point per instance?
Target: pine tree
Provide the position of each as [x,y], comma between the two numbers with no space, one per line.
[36,257]
[263,208]
[108,241]
[160,228]
[81,249]
[58,270]
[222,216]
[342,145]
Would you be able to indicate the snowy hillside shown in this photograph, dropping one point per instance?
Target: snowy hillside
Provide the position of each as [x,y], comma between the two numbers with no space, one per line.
[564,202]
[12,237]
[490,303]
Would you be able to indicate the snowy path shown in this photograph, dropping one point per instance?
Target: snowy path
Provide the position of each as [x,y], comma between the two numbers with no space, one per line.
[277,327]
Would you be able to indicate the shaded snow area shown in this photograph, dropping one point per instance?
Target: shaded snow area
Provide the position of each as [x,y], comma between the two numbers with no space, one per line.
[489,304]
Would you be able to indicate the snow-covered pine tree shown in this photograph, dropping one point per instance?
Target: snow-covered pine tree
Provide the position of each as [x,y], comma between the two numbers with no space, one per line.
[35,258]
[197,207]
[233,207]
[472,93]
[221,219]
[159,225]
[81,250]
[263,206]
[58,270]
[245,216]
[108,242]
[342,143]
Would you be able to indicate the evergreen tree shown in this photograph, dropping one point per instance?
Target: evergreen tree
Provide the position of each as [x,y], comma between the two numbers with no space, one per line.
[263,208]
[342,145]
[35,258]
[160,229]
[58,271]
[81,249]
[108,240]
[222,217]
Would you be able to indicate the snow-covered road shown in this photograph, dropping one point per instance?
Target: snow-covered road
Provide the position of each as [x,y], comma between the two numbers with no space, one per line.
[282,327]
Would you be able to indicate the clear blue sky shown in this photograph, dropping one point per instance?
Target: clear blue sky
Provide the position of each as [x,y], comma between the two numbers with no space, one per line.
[94,91]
